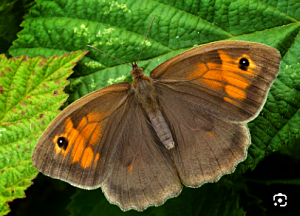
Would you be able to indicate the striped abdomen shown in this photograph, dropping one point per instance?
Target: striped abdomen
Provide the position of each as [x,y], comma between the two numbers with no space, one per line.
[161,128]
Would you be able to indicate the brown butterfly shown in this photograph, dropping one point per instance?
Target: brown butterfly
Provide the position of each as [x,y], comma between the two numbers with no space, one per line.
[185,124]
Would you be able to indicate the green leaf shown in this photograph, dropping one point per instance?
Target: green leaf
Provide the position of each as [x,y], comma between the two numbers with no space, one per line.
[31,92]
[118,28]
[293,151]
[250,203]
[11,13]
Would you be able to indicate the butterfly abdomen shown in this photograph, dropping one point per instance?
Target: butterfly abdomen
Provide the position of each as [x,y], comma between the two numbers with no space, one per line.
[146,95]
[161,128]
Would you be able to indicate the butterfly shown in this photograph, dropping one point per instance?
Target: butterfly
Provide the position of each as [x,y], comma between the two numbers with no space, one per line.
[184,124]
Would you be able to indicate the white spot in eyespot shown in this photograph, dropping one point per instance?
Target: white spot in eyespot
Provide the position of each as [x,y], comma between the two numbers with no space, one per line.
[177,37]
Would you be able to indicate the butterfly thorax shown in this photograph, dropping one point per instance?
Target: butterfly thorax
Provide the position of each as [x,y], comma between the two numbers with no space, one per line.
[146,95]
[145,91]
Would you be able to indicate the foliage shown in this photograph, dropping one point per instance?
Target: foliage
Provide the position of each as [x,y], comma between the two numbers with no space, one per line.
[31,91]
[118,27]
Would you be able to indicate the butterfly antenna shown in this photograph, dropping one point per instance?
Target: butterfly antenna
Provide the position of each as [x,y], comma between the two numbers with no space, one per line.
[108,55]
[146,38]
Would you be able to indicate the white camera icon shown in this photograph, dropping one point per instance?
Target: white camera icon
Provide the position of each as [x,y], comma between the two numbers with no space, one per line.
[280,199]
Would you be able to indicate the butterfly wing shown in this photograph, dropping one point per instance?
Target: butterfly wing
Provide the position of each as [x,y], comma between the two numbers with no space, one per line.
[229,78]
[80,143]
[207,94]
[206,146]
[143,173]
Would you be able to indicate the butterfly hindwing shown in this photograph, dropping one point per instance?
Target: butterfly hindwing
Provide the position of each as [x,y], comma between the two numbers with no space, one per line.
[143,173]
[206,146]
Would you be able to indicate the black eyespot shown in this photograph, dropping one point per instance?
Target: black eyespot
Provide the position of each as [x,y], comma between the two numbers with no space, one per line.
[62,142]
[244,63]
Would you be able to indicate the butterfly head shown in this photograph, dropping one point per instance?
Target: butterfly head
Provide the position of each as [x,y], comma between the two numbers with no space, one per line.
[136,71]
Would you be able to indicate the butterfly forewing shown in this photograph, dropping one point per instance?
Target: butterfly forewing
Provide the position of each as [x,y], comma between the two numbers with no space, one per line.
[230,78]
[87,143]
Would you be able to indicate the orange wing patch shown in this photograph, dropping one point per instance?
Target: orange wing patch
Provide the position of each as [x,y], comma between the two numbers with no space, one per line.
[226,77]
[87,158]
[96,160]
[82,138]
[211,134]
[92,116]
[129,168]
[98,130]
[83,122]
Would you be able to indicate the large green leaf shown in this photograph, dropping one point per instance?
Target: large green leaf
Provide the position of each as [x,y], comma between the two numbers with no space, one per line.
[31,92]
[11,13]
[118,28]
